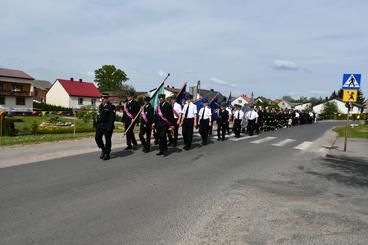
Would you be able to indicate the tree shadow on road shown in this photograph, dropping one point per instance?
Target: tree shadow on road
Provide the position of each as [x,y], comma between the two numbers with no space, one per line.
[347,172]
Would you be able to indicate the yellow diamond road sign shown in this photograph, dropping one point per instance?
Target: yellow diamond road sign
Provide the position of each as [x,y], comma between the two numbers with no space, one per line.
[350,95]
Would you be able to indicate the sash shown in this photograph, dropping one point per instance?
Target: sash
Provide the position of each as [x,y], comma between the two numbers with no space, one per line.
[162,115]
[144,116]
[128,113]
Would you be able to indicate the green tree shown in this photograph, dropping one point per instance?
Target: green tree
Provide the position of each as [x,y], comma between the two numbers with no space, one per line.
[288,98]
[340,93]
[360,97]
[109,78]
[329,108]
[333,95]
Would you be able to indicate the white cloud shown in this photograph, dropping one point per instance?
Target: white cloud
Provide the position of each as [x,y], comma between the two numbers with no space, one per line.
[317,92]
[218,81]
[284,65]
[161,73]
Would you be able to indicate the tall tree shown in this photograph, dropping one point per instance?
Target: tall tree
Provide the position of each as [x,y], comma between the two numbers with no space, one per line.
[340,93]
[109,78]
[360,97]
[329,108]
[333,95]
[287,98]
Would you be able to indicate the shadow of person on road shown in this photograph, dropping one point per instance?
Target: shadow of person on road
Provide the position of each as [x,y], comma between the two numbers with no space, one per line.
[121,153]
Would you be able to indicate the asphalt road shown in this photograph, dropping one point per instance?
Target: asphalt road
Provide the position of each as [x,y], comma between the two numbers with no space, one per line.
[261,190]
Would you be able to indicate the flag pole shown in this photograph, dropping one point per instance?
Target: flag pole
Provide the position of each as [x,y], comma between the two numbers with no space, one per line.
[143,106]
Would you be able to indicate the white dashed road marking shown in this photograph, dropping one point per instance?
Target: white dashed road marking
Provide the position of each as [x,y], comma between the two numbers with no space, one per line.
[303,146]
[244,138]
[283,142]
[263,140]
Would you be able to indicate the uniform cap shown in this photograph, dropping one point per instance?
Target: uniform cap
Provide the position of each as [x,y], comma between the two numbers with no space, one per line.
[161,96]
[205,100]
[147,98]
[189,96]
[105,96]
[130,93]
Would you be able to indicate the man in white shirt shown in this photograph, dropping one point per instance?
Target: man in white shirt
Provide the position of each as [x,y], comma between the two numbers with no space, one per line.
[188,121]
[252,118]
[173,135]
[238,116]
[204,121]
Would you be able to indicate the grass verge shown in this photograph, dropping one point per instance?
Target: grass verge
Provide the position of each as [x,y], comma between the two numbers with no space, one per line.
[357,132]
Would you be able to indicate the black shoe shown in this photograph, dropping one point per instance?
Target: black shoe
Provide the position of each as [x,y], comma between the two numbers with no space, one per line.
[102,155]
[159,154]
[165,153]
[144,150]
[106,157]
[170,144]
[128,148]
[218,139]
[175,144]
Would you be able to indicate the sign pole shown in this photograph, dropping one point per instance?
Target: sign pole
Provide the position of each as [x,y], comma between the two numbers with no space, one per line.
[1,128]
[346,130]
[75,115]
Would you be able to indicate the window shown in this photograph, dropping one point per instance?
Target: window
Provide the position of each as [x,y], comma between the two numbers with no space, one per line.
[17,88]
[240,101]
[93,101]
[2,100]
[20,101]
[1,87]
[80,101]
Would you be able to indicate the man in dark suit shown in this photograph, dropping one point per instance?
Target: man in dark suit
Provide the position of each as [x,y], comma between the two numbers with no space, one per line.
[105,126]
[164,120]
[131,109]
[147,118]
[222,122]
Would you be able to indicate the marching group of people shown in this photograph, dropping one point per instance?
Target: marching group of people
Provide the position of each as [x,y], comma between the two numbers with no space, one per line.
[164,121]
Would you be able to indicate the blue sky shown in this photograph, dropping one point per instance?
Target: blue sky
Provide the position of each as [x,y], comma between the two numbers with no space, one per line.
[273,48]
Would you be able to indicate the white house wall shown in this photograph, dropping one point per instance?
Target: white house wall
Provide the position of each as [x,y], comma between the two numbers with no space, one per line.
[240,100]
[57,95]
[10,101]
[10,104]
[340,108]
[87,101]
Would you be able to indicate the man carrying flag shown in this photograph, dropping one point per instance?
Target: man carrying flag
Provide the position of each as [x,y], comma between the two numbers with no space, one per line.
[131,110]
[164,119]
[173,136]
[147,118]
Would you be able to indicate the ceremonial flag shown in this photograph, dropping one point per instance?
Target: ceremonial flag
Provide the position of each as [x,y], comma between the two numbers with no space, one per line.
[154,97]
[181,95]
[214,105]
[228,102]
[199,103]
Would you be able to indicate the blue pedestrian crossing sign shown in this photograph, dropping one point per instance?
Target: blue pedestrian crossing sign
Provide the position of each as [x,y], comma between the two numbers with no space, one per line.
[351,81]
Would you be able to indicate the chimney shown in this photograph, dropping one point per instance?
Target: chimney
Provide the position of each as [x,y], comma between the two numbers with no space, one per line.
[71,79]
[80,80]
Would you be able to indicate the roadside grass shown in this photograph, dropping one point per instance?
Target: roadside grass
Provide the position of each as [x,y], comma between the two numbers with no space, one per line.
[357,132]
[30,139]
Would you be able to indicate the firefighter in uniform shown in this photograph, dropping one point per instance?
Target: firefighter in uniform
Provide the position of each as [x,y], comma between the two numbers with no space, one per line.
[164,120]
[188,121]
[105,126]
[131,109]
[173,135]
[147,118]
[205,121]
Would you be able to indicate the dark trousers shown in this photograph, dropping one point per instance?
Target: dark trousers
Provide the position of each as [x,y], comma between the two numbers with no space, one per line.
[188,125]
[174,140]
[221,130]
[100,132]
[130,137]
[145,136]
[237,127]
[251,126]
[204,130]
[162,139]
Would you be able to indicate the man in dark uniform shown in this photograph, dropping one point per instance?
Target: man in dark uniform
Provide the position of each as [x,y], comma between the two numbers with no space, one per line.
[173,135]
[164,119]
[222,122]
[131,109]
[105,126]
[188,121]
[204,121]
[147,118]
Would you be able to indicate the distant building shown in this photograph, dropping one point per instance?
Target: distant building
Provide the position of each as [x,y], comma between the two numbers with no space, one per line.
[73,94]
[241,100]
[16,91]
[285,105]
[303,107]
[341,108]
[169,91]
[40,88]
